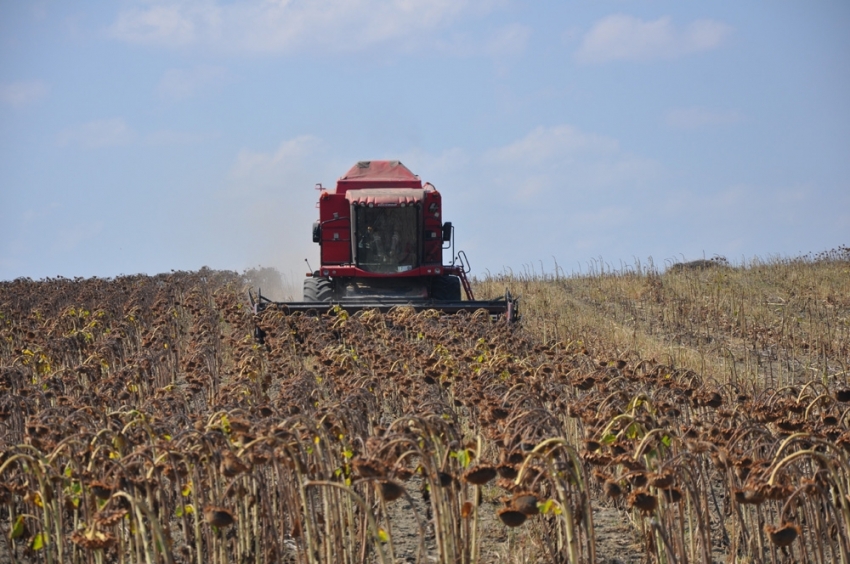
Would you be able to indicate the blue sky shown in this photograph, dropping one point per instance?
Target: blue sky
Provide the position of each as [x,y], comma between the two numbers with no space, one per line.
[157,135]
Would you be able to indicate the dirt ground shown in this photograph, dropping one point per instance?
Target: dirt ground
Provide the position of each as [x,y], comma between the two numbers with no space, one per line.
[616,540]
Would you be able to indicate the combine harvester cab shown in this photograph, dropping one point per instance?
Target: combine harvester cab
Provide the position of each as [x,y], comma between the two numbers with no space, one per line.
[381,238]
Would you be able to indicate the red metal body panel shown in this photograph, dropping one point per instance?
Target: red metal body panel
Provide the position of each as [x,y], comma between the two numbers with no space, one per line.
[433,241]
[334,215]
[377,174]
[349,271]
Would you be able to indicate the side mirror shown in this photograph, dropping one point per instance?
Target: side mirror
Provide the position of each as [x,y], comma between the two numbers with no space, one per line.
[447,231]
[317,232]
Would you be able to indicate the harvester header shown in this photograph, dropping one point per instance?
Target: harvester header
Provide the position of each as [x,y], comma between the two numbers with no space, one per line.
[381,239]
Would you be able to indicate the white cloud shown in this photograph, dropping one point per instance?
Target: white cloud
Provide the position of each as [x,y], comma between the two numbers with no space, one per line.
[697,117]
[286,26]
[550,191]
[22,93]
[531,185]
[179,84]
[445,164]
[254,170]
[547,143]
[620,37]
[165,24]
[559,167]
[509,40]
[97,134]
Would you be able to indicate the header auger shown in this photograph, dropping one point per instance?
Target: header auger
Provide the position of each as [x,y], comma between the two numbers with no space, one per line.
[381,238]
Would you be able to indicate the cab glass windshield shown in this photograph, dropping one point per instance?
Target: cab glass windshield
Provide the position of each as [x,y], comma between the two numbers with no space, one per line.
[386,238]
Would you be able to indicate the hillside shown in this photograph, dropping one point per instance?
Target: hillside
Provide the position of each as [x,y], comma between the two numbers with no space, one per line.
[768,323]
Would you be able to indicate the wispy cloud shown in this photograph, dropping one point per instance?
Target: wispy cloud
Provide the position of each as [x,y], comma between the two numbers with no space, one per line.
[97,134]
[621,37]
[255,170]
[179,84]
[561,162]
[548,143]
[167,24]
[282,27]
[22,93]
[509,40]
[448,163]
[698,117]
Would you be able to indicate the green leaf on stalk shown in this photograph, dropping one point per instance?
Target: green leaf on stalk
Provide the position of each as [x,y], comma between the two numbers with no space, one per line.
[462,457]
[666,440]
[608,438]
[18,529]
[74,491]
[550,505]
[37,542]
[634,404]
[382,534]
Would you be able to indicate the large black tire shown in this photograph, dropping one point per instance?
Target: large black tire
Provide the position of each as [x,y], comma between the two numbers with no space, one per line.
[318,290]
[446,289]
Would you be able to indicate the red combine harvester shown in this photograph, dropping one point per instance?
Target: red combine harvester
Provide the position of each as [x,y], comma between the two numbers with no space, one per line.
[381,236]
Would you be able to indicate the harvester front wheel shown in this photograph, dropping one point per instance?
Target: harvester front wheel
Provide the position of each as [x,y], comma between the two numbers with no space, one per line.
[446,289]
[318,290]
